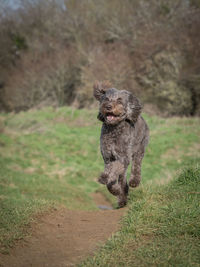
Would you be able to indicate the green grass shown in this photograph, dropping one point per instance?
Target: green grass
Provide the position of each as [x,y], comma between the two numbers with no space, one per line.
[162,227]
[48,158]
[51,157]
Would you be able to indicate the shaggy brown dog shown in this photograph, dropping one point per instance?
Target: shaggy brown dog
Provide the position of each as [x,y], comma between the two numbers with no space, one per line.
[124,136]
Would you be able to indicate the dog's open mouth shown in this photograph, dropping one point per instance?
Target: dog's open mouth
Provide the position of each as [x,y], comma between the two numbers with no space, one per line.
[110,117]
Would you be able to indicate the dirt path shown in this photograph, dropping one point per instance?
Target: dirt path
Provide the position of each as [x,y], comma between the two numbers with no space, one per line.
[64,238]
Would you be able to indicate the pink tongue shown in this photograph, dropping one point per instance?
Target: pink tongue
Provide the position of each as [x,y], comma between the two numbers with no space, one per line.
[110,118]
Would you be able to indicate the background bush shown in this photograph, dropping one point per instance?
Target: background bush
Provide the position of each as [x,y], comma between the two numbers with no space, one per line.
[52,51]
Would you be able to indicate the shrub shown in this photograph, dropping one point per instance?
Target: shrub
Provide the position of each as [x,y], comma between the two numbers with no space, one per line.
[51,52]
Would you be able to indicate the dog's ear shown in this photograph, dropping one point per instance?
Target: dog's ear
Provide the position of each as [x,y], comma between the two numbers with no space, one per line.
[100,88]
[134,108]
[100,117]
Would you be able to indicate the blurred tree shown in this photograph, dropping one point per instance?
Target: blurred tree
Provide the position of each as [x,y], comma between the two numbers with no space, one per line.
[54,49]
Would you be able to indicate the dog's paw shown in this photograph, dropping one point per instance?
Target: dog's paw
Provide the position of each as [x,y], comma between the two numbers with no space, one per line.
[103,178]
[122,203]
[134,183]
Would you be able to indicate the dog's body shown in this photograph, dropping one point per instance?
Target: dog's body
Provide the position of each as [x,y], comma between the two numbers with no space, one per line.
[124,136]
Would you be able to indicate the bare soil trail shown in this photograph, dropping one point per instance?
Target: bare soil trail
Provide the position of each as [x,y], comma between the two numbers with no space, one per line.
[64,237]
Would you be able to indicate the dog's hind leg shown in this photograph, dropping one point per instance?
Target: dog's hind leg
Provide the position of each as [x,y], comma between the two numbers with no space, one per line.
[136,168]
[122,197]
[137,162]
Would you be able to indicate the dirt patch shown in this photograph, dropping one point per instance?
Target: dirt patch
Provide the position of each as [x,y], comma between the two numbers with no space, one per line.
[101,202]
[64,237]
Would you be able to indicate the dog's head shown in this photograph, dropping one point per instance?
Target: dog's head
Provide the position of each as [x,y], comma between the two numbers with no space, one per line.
[116,105]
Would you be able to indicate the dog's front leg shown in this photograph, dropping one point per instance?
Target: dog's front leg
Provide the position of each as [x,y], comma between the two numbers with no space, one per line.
[110,177]
[103,178]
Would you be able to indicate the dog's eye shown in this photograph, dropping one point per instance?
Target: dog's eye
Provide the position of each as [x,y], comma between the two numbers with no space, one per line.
[119,100]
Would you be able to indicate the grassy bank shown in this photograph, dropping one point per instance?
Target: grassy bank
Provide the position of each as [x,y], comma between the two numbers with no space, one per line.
[51,157]
[162,227]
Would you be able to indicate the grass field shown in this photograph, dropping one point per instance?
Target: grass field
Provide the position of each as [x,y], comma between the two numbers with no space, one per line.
[162,227]
[51,157]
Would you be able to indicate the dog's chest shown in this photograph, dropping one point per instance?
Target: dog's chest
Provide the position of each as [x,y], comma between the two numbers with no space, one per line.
[116,142]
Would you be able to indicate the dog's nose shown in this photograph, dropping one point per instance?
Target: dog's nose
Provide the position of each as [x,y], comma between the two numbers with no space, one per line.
[108,107]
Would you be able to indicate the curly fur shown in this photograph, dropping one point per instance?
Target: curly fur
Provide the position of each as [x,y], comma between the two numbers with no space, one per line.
[124,136]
